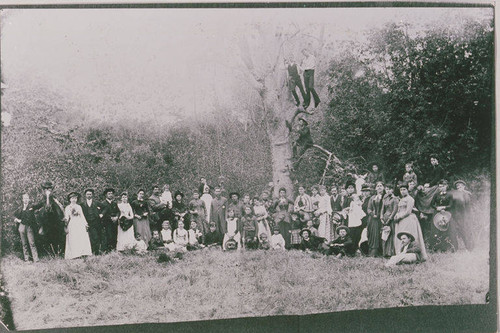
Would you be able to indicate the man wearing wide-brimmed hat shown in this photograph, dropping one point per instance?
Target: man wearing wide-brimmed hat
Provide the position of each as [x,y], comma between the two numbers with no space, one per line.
[51,220]
[410,251]
[235,204]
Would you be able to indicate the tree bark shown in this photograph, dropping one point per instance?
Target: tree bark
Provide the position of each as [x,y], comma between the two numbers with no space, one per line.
[281,157]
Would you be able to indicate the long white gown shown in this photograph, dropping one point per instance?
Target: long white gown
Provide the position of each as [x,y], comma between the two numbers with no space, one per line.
[207,198]
[77,238]
[125,239]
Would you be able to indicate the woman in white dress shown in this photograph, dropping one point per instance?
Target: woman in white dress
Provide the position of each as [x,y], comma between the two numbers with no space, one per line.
[125,238]
[77,236]
[324,211]
[207,198]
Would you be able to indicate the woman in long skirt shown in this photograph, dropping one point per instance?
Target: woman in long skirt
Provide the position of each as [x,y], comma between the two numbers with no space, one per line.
[374,224]
[389,210]
[406,221]
[141,217]
[77,236]
[324,211]
[125,238]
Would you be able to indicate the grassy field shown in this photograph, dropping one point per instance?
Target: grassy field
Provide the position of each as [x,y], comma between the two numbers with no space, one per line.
[119,289]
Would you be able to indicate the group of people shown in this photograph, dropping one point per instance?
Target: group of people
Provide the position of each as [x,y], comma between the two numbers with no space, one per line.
[366,216]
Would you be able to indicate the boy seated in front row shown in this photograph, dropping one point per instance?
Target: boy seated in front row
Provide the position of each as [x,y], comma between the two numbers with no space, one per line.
[166,233]
[140,244]
[264,243]
[342,245]
[155,242]
[307,243]
[277,240]
[314,231]
[194,235]
[213,237]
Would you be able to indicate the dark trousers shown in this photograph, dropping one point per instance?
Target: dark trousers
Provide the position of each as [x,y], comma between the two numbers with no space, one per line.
[95,231]
[292,84]
[309,85]
[109,235]
[356,235]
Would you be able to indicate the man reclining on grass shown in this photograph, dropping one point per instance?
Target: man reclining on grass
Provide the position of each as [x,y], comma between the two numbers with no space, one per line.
[410,251]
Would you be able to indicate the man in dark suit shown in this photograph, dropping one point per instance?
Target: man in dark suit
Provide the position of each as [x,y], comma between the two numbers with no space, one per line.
[91,210]
[294,80]
[109,217]
[336,200]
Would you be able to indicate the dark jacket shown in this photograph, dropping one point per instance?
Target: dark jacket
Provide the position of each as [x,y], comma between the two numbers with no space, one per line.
[436,174]
[213,238]
[336,203]
[27,216]
[442,199]
[109,210]
[92,212]
[348,248]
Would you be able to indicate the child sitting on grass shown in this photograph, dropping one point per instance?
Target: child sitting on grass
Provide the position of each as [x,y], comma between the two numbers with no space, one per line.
[277,240]
[181,237]
[166,232]
[264,242]
[232,230]
[312,229]
[140,244]
[194,237]
[156,241]
[213,237]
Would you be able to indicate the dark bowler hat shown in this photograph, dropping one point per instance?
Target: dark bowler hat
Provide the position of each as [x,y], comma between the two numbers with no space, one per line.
[234,193]
[304,230]
[410,236]
[109,189]
[47,185]
[342,227]
[74,194]
[349,183]
[91,190]
[178,193]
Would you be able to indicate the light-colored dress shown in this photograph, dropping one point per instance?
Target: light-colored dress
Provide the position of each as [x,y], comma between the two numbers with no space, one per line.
[125,239]
[263,226]
[77,238]
[408,223]
[207,198]
[325,225]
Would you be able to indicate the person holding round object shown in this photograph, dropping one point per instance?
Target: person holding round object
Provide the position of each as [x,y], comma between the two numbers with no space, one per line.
[409,253]
[125,238]
[442,239]
[406,221]
[77,236]
[142,212]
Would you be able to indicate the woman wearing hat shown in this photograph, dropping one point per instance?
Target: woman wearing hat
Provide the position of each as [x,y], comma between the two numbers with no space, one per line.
[77,236]
[410,252]
[374,174]
[406,221]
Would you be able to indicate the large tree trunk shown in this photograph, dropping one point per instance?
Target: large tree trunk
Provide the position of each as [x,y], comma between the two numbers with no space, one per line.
[281,156]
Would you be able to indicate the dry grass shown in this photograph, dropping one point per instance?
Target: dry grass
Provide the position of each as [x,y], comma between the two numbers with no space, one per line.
[119,289]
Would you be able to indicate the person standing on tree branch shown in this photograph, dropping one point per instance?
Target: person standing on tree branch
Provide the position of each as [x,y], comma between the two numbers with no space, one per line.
[309,65]
[294,80]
